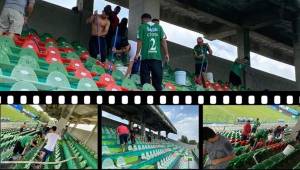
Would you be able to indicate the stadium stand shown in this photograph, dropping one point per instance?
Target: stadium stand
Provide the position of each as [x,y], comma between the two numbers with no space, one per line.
[261,157]
[159,153]
[38,62]
[69,153]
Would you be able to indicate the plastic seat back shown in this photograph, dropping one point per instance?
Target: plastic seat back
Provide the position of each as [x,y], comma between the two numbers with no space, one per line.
[58,79]
[24,73]
[7,41]
[129,84]
[148,87]
[86,84]
[56,66]
[98,69]
[105,150]
[108,163]
[28,61]
[4,58]
[121,162]
[23,86]
[28,52]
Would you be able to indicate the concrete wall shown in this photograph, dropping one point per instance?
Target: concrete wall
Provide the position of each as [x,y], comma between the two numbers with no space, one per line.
[56,20]
[63,22]
[82,135]
[181,57]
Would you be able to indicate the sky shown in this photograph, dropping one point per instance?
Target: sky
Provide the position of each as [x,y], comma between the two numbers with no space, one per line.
[185,119]
[188,38]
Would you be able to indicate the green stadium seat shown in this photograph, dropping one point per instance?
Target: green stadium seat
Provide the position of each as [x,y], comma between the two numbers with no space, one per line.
[135,78]
[108,163]
[117,75]
[28,52]
[7,41]
[23,86]
[129,84]
[105,150]
[28,61]
[58,166]
[24,73]
[4,59]
[121,163]
[83,164]
[59,80]
[56,66]
[148,87]
[86,84]
[98,69]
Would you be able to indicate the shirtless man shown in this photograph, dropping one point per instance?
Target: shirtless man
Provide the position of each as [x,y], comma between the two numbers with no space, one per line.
[100,27]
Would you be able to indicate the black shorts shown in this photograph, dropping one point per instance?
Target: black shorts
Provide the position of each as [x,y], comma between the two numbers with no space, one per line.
[98,45]
[198,68]
[234,79]
[18,148]
[123,138]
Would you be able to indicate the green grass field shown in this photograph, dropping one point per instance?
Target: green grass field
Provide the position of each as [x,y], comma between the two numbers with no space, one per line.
[13,114]
[230,113]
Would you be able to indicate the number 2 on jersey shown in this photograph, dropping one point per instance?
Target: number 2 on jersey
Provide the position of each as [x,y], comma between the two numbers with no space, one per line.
[153,45]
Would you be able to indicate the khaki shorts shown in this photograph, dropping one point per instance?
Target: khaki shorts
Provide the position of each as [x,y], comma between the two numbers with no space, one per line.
[11,21]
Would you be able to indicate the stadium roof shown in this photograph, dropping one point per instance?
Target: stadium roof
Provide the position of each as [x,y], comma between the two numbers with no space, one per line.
[270,22]
[86,114]
[153,117]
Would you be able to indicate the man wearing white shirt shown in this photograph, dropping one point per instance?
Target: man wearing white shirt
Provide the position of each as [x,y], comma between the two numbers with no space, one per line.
[52,137]
[130,50]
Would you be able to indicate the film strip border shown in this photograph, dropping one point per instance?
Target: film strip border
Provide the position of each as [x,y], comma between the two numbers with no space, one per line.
[158,98]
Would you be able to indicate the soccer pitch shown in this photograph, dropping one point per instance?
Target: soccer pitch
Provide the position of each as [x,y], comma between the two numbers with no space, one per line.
[229,114]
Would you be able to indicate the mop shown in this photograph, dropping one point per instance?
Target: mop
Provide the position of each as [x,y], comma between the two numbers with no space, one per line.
[113,53]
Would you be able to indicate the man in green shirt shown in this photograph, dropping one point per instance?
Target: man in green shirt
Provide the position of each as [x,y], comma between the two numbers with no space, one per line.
[237,69]
[150,37]
[256,124]
[201,51]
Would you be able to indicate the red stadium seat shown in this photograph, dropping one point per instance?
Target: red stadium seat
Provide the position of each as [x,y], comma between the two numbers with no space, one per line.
[105,80]
[170,87]
[74,65]
[83,73]
[113,87]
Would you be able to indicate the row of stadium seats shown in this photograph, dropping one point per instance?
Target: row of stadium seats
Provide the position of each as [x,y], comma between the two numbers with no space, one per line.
[157,154]
[260,156]
[39,62]
[65,149]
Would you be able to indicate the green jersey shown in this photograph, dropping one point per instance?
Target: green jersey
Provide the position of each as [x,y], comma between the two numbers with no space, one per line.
[261,134]
[201,52]
[151,35]
[26,140]
[237,68]
[256,124]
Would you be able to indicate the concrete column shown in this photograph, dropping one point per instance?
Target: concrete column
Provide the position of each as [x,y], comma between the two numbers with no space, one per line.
[243,41]
[91,134]
[297,46]
[167,133]
[143,130]
[139,7]
[71,112]
[74,127]
[85,29]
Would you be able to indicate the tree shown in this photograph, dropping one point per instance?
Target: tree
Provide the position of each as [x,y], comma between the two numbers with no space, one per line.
[192,142]
[184,139]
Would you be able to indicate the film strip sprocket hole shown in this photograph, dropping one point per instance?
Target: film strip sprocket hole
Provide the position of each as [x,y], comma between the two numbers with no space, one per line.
[162,98]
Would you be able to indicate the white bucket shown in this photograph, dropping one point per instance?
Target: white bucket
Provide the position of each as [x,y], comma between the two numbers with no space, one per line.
[210,77]
[180,77]
[288,150]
